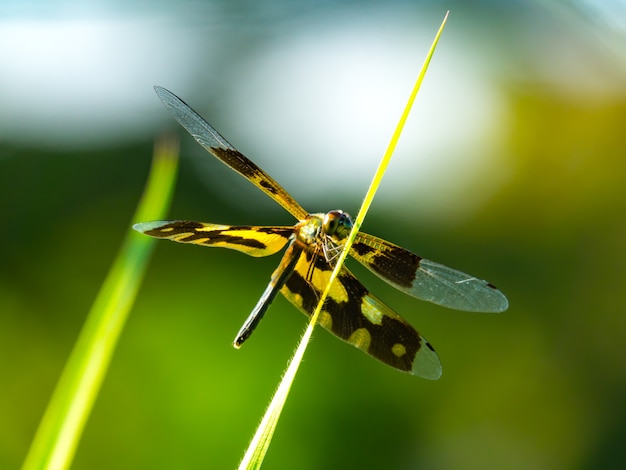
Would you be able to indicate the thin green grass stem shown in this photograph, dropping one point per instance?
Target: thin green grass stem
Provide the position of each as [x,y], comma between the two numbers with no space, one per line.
[61,427]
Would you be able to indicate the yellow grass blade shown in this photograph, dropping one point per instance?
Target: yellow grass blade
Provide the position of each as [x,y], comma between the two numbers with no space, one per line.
[257,449]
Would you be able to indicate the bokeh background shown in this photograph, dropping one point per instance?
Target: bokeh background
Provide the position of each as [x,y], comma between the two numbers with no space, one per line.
[512,167]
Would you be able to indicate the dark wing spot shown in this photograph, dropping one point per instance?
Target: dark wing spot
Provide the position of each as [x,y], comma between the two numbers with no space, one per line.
[347,318]
[396,264]
[217,236]
[361,248]
[269,186]
[273,231]
[238,162]
[244,166]
[189,231]
[174,228]
[298,285]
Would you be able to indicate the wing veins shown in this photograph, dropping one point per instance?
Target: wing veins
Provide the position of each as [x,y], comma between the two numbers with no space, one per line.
[425,279]
[356,316]
[220,148]
[252,240]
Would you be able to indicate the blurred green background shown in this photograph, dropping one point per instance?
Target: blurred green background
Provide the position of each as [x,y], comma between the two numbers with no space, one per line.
[512,168]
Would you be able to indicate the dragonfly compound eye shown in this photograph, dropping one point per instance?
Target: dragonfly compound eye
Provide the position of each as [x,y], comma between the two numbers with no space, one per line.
[337,224]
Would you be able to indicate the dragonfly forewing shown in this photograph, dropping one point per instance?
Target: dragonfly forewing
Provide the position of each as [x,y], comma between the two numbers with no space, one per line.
[425,279]
[219,147]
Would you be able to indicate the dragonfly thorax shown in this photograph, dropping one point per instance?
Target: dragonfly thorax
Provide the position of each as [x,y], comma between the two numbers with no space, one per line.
[324,233]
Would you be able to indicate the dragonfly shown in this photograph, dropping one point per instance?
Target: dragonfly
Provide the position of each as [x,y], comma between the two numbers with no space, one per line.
[313,244]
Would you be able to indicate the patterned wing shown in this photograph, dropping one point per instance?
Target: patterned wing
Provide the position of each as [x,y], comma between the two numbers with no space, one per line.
[212,141]
[253,241]
[357,317]
[426,279]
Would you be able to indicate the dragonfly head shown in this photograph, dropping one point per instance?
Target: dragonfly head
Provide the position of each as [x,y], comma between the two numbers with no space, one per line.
[337,224]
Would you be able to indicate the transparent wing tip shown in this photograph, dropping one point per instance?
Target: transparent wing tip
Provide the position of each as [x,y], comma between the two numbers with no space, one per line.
[144,227]
[497,302]
[426,363]
[159,90]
